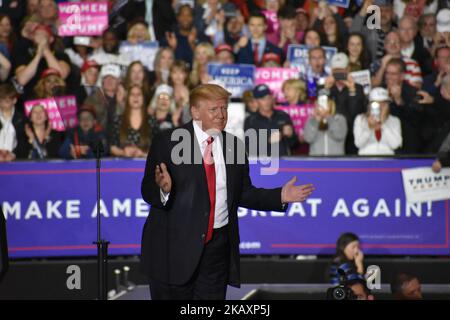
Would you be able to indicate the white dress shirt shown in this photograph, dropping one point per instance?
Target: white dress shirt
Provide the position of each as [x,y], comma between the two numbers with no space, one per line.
[221,207]
[8,139]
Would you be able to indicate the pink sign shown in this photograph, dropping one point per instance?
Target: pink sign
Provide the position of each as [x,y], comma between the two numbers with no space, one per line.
[272,21]
[274,78]
[61,111]
[83,18]
[299,115]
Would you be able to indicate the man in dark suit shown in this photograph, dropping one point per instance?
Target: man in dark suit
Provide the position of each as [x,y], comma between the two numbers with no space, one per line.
[251,51]
[195,179]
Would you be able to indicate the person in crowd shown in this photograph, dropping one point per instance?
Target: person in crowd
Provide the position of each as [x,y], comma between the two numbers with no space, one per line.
[347,94]
[137,74]
[271,60]
[224,54]
[301,20]
[185,36]
[108,52]
[294,91]
[316,72]
[7,34]
[349,259]
[138,32]
[437,120]
[47,13]
[251,105]
[106,99]
[334,29]
[203,54]
[161,66]
[80,51]
[49,85]
[414,9]
[82,141]
[281,136]
[432,82]
[411,47]
[12,124]
[251,50]
[325,130]
[90,73]
[179,81]
[230,28]
[428,30]
[392,45]
[377,132]
[312,38]
[359,288]
[357,52]
[42,142]
[31,63]
[132,134]
[5,67]
[164,114]
[374,36]
[406,286]
[408,104]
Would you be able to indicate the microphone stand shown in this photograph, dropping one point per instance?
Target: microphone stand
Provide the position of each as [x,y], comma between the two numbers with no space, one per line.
[102,244]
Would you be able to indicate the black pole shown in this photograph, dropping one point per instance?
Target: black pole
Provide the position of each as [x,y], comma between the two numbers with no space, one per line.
[102,245]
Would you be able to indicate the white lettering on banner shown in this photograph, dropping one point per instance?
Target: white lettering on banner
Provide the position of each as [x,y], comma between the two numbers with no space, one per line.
[73,209]
[85,8]
[52,209]
[119,207]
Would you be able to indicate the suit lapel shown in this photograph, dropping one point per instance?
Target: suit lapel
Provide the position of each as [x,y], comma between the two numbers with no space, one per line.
[228,154]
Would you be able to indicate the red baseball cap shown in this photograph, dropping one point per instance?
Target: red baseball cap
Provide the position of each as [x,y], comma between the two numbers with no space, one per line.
[271,57]
[224,47]
[49,72]
[44,28]
[89,64]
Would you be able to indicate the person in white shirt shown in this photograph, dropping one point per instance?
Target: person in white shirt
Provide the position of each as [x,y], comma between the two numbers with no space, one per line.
[377,132]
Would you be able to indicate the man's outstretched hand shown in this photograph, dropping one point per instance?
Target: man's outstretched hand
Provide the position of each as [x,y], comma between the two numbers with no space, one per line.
[291,193]
[162,178]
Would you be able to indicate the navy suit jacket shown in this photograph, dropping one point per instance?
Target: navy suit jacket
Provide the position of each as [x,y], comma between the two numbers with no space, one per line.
[174,233]
[245,55]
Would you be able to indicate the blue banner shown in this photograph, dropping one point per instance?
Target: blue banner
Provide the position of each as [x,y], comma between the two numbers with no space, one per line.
[237,78]
[339,3]
[50,209]
[297,55]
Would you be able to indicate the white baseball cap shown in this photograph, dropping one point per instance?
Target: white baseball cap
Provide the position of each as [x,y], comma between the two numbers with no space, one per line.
[379,94]
[339,61]
[110,70]
[82,41]
[163,89]
[443,20]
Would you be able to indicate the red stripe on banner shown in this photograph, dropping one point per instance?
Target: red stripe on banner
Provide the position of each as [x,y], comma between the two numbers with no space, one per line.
[385,245]
[334,169]
[36,172]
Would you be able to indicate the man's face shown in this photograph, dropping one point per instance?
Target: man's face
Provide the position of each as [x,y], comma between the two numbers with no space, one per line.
[91,76]
[47,9]
[7,103]
[407,30]
[317,61]
[110,83]
[185,18]
[386,13]
[257,27]
[412,290]
[265,103]
[393,75]
[110,42]
[392,44]
[32,6]
[443,60]
[212,114]
[225,57]
[86,120]
[429,26]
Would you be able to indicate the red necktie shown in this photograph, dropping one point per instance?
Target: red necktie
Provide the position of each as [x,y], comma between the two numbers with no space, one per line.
[255,54]
[208,164]
[378,134]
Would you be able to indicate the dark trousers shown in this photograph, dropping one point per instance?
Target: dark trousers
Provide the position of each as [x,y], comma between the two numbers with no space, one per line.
[209,281]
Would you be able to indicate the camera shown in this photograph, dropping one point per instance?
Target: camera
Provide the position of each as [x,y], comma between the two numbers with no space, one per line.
[340,76]
[375,110]
[342,291]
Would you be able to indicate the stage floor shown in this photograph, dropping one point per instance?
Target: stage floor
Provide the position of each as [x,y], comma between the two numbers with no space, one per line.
[291,292]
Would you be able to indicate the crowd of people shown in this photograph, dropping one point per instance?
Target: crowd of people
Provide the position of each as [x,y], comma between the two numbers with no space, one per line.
[123,104]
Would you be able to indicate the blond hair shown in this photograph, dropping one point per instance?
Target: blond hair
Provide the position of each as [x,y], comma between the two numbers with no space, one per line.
[207,92]
[194,77]
[298,85]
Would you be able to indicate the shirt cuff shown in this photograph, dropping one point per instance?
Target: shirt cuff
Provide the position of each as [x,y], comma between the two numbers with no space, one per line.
[164,196]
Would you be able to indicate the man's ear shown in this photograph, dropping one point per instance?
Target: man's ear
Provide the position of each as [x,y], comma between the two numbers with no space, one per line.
[194,113]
